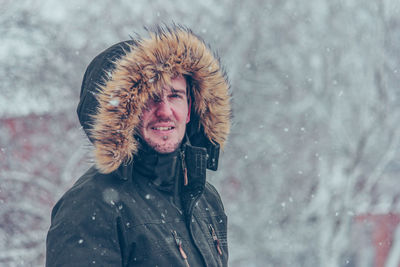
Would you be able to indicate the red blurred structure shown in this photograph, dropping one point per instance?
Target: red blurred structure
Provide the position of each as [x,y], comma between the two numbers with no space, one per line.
[384,227]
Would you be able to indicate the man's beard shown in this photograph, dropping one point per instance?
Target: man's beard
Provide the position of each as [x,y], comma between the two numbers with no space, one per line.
[163,148]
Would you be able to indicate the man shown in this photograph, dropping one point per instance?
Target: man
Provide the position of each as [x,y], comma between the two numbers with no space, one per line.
[156,110]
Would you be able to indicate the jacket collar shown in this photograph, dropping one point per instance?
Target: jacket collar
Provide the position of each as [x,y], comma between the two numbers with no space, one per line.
[162,169]
[154,166]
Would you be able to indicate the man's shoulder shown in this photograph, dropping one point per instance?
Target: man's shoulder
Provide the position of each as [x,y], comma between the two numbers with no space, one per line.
[92,183]
[93,179]
[211,190]
[212,196]
[92,190]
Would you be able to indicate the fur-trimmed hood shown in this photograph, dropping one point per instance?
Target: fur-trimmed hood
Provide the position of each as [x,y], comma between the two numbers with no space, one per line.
[120,80]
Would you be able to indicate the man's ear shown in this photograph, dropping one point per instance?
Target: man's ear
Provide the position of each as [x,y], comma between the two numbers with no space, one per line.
[189,109]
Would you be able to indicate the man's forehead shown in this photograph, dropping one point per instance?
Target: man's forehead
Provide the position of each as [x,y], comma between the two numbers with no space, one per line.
[170,89]
[177,84]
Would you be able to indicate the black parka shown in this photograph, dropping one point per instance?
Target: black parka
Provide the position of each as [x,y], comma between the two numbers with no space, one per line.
[129,218]
[133,207]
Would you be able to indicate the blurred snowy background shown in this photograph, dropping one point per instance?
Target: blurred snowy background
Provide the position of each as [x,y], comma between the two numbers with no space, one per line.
[310,174]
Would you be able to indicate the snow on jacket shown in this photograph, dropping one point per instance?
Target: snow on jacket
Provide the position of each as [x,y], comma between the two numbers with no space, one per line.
[124,210]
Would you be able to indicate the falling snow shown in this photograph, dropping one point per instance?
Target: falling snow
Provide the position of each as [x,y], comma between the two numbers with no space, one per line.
[314,139]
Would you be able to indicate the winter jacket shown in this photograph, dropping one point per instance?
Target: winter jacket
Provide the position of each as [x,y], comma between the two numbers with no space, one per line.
[137,207]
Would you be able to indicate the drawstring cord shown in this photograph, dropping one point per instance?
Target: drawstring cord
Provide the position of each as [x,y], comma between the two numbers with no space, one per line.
[215,238]
[185,176]
[179,245]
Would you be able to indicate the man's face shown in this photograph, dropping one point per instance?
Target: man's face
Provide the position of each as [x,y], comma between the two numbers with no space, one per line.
[164,120]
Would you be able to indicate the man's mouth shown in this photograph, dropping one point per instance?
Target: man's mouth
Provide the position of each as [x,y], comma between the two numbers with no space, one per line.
[163,128]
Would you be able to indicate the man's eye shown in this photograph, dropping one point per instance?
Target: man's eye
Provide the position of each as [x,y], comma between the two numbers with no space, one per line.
[176,96]
[156,99]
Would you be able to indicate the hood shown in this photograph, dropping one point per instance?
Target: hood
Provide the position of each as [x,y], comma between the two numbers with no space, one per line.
[120,80]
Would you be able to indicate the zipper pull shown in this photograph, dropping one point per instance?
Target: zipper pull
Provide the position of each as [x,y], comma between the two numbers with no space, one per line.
[215,238]
[179,245]
[185,177]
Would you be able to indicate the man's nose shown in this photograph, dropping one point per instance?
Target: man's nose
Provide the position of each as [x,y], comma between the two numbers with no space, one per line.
[163,109]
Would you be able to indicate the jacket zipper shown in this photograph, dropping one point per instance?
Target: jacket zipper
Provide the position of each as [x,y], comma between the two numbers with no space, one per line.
[178,243]
[216,240]
[190,208]
[185,176]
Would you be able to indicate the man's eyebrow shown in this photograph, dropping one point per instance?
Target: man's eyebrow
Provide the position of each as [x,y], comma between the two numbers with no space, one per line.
[182,91]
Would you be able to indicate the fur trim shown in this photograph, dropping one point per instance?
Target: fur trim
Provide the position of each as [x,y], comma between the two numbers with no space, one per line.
[140,74]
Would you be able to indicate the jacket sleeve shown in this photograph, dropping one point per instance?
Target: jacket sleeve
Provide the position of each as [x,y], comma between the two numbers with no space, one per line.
[84,231]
